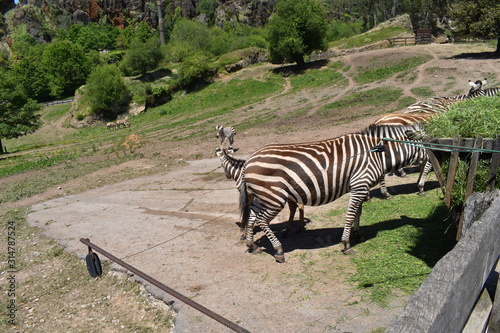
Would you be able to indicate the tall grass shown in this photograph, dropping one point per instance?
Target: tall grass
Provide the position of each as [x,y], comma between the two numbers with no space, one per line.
[478,116]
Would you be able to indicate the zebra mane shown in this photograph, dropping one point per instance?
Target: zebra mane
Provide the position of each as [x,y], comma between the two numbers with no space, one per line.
[384,129]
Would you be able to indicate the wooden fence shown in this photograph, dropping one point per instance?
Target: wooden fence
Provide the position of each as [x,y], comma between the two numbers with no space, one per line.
[401,41]
[462,293]
[463,149]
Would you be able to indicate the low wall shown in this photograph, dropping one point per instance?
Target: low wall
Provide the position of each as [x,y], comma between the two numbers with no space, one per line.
[447,296]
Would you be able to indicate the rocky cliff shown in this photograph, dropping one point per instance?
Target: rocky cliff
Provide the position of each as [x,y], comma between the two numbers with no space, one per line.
[42,17]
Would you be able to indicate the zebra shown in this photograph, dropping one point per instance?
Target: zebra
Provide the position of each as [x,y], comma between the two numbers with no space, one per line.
[406,119]
[316,173]
[225,134]
[122,122]
[233,169]
[111,125]
[442,104]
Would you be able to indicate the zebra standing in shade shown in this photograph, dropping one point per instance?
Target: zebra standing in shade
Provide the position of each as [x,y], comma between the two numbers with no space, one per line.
[316,173]
[225,134]
[233,169]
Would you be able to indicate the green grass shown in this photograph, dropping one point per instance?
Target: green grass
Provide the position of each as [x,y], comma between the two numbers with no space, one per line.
[423,92]
[402,244]
[478,116]
[315,78]
[382,71]
[373,99]
[367,38]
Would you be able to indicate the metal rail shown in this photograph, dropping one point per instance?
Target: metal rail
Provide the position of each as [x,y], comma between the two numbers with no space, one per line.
[163,287]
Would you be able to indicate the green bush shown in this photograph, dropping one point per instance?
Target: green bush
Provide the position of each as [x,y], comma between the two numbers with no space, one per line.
[338,29]
[107,92]
[67,67]
[195,70]
[94,36]
[142,57]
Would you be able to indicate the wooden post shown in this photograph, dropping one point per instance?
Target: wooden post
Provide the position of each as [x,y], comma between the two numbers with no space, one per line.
[452,171]
[495,162]
[437,168]
[478,143]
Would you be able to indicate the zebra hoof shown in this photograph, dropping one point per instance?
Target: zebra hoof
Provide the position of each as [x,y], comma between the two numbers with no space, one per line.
[348,251]
[422,194]
[280,258]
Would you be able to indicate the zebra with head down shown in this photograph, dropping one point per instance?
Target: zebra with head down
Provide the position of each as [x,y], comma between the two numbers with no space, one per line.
[234,168]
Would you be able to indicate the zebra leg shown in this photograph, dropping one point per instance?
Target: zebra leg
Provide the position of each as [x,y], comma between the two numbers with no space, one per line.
[263,220]
[293,208]
[352,217]
[302,224]
[383,188]
[252,247]
[401,172]
[422,178]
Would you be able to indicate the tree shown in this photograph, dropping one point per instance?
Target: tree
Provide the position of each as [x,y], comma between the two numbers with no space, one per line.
[67,67]
[17,112]
[106,91]
[477,18]
[142,57]
[296,29]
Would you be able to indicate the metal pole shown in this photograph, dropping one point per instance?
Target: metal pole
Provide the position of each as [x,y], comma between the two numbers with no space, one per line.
[163,287]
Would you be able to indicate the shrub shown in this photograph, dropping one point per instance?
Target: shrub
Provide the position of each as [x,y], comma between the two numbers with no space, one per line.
[142,57]
[106,91]
[195,70]
[67,67]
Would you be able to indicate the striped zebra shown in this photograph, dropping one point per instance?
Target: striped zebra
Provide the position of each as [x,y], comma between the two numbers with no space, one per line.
[316,173]
[408,120]
[225,134]
[442,104]
[233,169]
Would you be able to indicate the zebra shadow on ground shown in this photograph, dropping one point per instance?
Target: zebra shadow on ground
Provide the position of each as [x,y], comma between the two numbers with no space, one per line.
[436,236]
[408,188]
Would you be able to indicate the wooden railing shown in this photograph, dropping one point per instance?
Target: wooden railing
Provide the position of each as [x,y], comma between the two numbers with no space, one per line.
[401,41]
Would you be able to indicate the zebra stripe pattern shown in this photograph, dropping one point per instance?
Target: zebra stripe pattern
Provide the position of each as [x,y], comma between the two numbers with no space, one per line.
[225,134]
[317,173]
[443,104]
[407,119]
[233,169]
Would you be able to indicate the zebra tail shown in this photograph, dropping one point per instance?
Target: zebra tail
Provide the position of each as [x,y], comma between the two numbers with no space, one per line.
[244,204]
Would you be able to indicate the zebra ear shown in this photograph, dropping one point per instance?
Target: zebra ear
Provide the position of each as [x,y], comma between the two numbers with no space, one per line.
[484,82]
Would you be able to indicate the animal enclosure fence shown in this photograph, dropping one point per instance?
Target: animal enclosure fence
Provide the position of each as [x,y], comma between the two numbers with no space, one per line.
[470,150]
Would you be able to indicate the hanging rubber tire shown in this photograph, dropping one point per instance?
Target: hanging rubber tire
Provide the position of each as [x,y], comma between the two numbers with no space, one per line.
[93,265]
